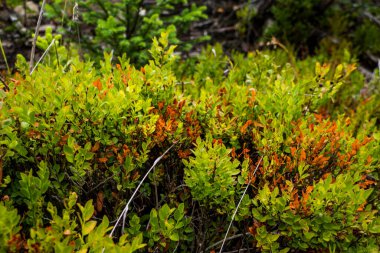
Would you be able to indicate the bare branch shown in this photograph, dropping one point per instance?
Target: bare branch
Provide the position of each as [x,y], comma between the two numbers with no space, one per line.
[372,18]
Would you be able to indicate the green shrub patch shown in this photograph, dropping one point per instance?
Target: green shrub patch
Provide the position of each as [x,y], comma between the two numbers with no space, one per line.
[77,140]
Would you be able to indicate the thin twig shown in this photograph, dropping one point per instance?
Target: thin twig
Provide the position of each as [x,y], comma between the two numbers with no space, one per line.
[176,247]
[5,84]
[366,73]
[36,35]
[43,55]
[240,250]
[227,239]
[237,207]
[124,212]
[372,18]
[100,184]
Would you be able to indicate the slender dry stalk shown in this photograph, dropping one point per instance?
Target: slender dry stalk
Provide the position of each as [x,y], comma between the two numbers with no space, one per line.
[237,207]
[43,55]
[125,211]
[36,32]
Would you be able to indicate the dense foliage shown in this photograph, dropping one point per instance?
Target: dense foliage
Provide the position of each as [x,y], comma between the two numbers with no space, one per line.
[124,26]
[76,141]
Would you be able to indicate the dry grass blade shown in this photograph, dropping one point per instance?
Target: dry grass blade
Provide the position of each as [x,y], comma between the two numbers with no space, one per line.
[36,35]
[43,55]
[237,207]
[123,214]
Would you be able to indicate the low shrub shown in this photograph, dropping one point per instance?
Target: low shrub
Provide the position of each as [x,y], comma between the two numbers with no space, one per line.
[76,141]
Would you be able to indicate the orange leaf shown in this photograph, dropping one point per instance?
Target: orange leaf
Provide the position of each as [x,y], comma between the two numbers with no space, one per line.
[369,160]
[257,124]
[324,176]
[161,122]
[361,207]
[184,153]
[171,112]
[319,117]
[332,129]
[243,129]
[252,230]
[126,150]
[233,152]
[366,140]
[99,202]
[103,159]
[135,175]
[168,126]
[293,150]
[63,140]
[309,189]
[161,105]
[97,84]
[181,104]
[303,155]
[295,203]
[110,83]
[95,147]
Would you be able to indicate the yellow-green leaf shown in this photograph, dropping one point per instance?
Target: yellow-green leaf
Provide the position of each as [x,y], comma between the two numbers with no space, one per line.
[88,227]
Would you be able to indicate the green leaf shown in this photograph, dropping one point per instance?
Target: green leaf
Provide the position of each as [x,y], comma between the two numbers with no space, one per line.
[179,225]
[309,235]
[137,242]
[87,211]
[88,227]
[285,250]
[257,215]
[71,142]
[179,212]
[69,153]
[154,219]
[174,237]
[374,227]
[164,212]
